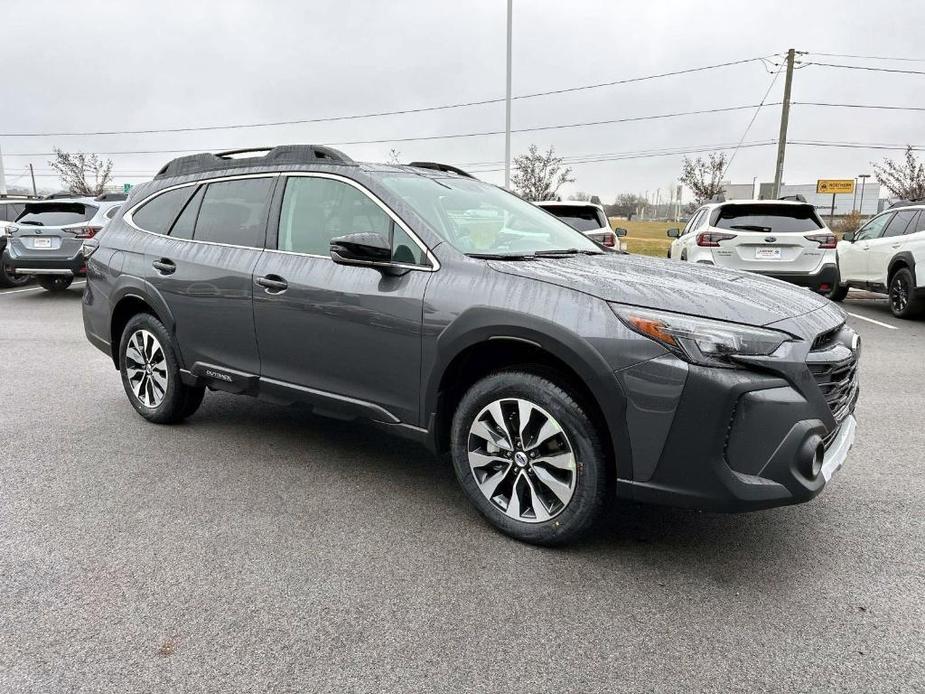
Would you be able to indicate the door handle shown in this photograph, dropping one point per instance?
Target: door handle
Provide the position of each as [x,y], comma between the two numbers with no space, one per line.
[273,284]
[896,245]
[164,266]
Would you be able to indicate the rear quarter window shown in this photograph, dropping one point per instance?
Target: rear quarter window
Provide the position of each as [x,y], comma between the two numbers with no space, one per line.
[53,214]
[158,214]
[770,218]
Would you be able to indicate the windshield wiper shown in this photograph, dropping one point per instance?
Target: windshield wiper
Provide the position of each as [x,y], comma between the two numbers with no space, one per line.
[31,223]
[566,251]
[750,227]
[502,256]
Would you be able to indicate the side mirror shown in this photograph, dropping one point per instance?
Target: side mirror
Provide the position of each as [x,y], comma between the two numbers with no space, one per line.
[673,233]
[364,249]
[620,231]
[849,236]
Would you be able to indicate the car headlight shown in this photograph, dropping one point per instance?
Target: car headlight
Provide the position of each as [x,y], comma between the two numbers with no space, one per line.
[701,340]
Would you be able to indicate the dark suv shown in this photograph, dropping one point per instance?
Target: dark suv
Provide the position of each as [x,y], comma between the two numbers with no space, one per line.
[558,376]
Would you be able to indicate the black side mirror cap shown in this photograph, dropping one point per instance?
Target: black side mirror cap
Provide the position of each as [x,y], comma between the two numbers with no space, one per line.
[673,233]
[620,231]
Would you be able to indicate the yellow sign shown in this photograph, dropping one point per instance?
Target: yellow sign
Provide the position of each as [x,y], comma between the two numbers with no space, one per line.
[835,185]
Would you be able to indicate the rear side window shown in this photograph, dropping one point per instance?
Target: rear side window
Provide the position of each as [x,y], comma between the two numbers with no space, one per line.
[234,212]
[158,214]
[54,214]
[898,224]
[580,217]
[779,219]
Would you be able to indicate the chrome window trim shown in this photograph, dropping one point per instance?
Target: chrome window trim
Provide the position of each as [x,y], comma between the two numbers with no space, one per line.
[435,264]
[128,217]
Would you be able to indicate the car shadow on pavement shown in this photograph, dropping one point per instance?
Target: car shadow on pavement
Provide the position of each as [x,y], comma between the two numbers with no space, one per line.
[633,532]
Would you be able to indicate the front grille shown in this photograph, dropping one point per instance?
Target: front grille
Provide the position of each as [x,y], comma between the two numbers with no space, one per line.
[838,382]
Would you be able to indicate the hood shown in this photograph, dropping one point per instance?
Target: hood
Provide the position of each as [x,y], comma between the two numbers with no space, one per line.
[671,285]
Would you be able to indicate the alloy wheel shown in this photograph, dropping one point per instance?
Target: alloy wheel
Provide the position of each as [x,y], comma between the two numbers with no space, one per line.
[522,460]
[899,294]
[146,368]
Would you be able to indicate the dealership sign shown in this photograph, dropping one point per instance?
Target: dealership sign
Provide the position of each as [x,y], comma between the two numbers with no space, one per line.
[835,186]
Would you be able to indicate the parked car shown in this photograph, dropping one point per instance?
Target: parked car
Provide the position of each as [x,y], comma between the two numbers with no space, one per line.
[589,218]
[11,206]
[559,377]
[46,237]
[779,238]
[887,255]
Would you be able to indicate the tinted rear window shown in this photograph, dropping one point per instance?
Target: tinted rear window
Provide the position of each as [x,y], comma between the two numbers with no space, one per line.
[234,212]
[56,214]
[578,216]
[158,214]
[780,219]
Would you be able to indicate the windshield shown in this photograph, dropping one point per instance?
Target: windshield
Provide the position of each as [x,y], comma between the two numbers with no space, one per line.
[56,214]
[579,217]
[479,218]
[780,219]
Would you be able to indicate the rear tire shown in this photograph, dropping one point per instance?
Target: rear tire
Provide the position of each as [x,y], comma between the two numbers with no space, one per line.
[8,278]
[901,292]
[151,373]
[55,283]
[558,469]
[837,293]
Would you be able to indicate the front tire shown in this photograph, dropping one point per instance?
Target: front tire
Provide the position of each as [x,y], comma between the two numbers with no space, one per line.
[8,278]
[903,302]
[55,283]
[529,457]
[151,373]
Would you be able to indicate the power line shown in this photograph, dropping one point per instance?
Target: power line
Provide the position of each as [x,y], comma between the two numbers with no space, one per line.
[453,136]
[860,106]
[868,68]
[752,121]
[379,114]
[868,57]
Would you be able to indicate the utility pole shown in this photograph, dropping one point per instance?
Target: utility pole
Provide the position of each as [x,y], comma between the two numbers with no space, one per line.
[507,101]
[784,118]
[863,178]
[32,173]
[2,176]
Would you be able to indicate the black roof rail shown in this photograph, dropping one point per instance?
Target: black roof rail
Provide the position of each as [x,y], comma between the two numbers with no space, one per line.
[19,196]
[793,198]
[283,154]
[906,203]
[436,166]
[111,197]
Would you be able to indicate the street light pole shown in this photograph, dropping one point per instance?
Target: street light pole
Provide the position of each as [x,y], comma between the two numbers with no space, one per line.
[507,101]
[863,178]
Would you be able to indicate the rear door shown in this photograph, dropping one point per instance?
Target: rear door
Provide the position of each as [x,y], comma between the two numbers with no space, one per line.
[348,335]
[203,267]
[883,249]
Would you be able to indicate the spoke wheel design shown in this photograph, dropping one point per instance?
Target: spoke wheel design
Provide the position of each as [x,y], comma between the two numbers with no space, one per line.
[146,368]
[899,294]
[522,460]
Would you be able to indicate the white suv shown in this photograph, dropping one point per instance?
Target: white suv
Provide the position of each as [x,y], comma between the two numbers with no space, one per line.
[887,255]
[589,218]
[779,238]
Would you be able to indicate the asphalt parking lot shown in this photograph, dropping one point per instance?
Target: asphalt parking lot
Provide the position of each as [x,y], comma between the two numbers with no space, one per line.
[258,548]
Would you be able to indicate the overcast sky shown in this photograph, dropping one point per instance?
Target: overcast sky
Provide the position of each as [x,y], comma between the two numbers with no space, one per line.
[129,65]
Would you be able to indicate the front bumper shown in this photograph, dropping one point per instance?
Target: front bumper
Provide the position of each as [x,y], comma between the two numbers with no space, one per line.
[44,264]
[737,440]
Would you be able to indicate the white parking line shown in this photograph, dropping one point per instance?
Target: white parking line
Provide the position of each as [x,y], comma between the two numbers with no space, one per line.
[871,320]
[34,289]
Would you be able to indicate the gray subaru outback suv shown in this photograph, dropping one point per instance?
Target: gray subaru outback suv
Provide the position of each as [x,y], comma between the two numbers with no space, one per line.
[560,378]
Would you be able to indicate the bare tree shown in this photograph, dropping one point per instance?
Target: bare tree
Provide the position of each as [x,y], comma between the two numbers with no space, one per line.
[82,174]
[539,176]
[626,205]
[393,157]
[580,196]
[704,178]
[904,179]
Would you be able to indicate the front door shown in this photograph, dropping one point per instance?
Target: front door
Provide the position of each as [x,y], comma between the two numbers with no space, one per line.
[203,268]
[347,335]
